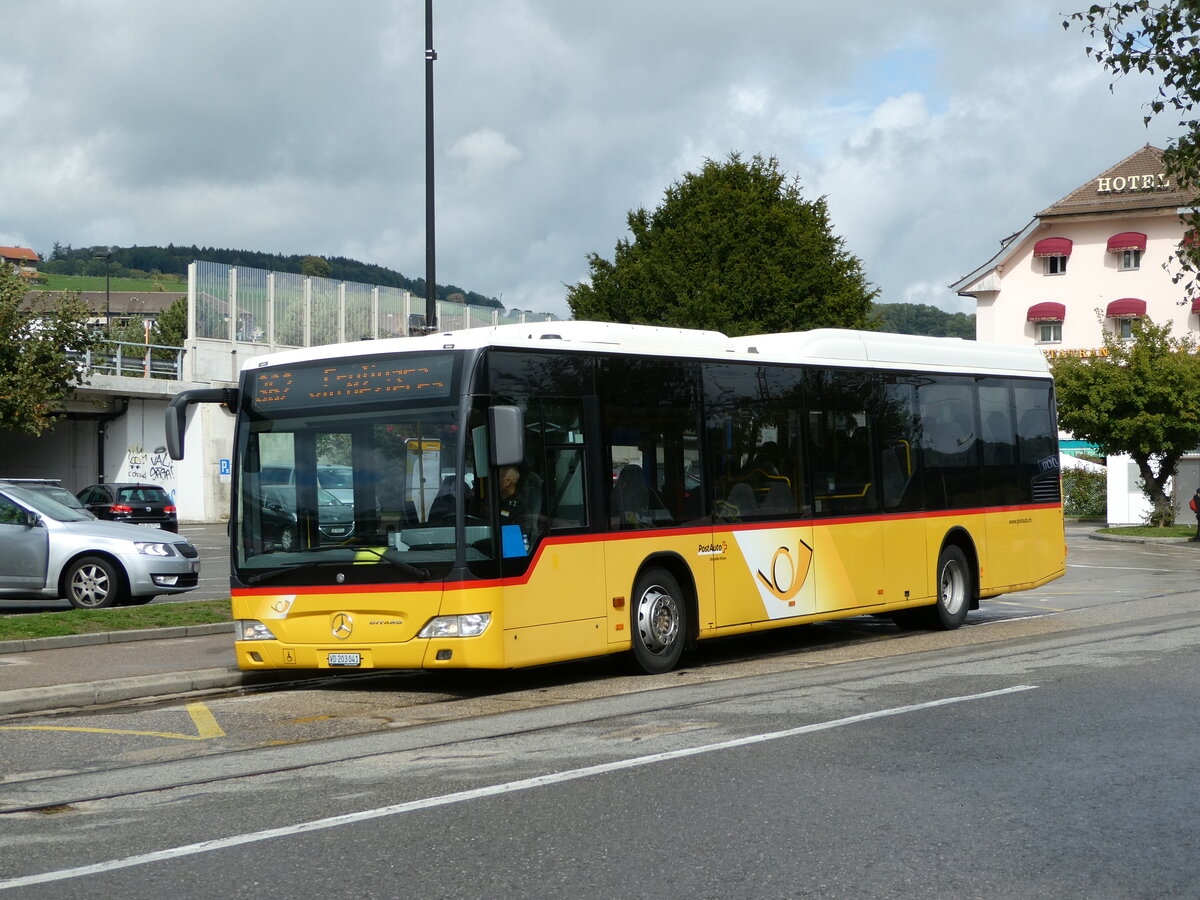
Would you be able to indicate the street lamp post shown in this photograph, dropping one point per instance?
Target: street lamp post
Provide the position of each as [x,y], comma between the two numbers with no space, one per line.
[107,257]
[430,253]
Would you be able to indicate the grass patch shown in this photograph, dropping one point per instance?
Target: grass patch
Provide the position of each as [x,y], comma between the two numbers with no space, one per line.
[96,283]
[23,626]
[1173,531]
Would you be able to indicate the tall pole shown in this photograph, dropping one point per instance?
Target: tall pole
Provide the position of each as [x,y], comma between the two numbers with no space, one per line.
[430,255]
[107,257]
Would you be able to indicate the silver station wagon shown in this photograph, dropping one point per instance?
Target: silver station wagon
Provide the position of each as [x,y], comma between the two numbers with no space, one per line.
[48,550]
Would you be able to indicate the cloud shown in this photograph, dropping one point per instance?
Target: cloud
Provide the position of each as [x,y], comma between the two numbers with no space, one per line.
[484,153]
[301,129]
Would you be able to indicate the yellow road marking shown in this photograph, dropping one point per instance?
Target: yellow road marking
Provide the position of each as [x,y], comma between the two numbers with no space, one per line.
[202,718]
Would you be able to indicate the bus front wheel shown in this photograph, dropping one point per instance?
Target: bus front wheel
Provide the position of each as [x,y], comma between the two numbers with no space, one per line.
[658,621]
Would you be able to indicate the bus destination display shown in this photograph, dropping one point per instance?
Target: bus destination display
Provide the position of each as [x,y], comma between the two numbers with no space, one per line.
[348,382]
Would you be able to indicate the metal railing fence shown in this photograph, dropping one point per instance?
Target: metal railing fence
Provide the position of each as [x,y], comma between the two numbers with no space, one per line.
[237,303]
[132,360]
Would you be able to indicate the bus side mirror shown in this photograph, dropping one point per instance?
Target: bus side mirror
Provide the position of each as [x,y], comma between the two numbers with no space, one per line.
[506,429]
[176,416]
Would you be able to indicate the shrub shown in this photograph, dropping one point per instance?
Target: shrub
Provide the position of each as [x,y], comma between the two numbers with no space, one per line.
[1085,493]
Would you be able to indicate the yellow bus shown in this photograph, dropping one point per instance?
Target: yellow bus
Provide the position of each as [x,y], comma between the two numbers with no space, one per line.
[528,494]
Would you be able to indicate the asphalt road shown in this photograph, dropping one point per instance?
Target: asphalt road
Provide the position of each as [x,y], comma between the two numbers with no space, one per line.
[1046,750]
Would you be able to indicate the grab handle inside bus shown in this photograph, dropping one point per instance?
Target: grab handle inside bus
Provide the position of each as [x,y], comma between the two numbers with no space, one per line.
[506,425]
[176,416]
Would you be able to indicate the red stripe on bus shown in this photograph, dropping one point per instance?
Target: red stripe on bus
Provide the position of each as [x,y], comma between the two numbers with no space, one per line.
[643,534]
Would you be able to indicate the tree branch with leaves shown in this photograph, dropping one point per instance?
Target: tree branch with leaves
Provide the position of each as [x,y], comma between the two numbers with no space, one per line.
[36,370]
[1162,40]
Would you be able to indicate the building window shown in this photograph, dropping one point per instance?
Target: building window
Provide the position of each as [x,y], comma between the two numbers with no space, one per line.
[1131,260]
[1056,265]
[1125,329]
[1050,333]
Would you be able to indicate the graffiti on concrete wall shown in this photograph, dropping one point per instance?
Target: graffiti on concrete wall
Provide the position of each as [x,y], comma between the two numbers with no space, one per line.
[148,466]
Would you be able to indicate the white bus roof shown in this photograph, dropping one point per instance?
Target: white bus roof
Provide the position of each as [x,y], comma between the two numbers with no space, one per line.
[824,346]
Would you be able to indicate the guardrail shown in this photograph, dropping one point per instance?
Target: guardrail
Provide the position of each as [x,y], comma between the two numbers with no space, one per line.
[133,360]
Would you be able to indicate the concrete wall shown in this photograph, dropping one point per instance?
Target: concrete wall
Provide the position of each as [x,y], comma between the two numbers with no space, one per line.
[203,491]
[1127,503]
[131,412]
[66,452]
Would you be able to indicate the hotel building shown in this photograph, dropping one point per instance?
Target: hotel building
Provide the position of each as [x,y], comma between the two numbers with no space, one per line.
[1095,260]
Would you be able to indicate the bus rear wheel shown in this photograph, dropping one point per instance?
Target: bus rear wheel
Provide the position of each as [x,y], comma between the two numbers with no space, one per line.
[955,587]
[658,622]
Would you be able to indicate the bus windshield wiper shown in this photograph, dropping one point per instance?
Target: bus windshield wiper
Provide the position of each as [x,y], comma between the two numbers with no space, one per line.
[417,572]
[421,574]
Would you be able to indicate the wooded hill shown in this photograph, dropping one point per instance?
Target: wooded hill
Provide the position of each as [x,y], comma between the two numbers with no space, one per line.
[148,262]
[141,262]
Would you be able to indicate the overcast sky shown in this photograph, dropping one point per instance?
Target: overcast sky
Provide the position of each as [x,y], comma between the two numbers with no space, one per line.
[935,128]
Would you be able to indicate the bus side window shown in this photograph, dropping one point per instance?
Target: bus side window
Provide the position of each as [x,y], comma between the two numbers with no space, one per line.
[650,418]
[897,439]
[754,439]
[844,480]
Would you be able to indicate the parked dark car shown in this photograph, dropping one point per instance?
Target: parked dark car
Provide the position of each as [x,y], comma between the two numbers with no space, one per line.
[335,519]
[136,504]
[51,487]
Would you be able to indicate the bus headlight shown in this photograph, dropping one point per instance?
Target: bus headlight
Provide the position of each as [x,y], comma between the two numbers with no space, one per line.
[470,625]
[252,630]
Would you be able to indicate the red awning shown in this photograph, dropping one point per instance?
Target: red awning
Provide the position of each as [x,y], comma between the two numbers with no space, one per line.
[1052,247]
[1046,312]
[1126,240]
[1126,308]
[1196,305]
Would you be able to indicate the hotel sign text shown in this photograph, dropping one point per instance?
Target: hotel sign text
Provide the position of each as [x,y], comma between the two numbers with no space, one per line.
[1119,183]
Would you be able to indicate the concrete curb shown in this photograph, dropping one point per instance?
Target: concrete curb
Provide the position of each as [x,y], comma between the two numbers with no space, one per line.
[1131,539]
[112,690]
[113,637]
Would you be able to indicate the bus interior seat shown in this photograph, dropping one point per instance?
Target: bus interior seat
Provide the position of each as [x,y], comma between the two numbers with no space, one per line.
[741,501]
[442,507]
[892,477]
[631,498]
[778,500]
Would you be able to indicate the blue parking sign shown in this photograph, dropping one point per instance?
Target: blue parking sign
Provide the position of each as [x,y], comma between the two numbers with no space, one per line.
[226,469]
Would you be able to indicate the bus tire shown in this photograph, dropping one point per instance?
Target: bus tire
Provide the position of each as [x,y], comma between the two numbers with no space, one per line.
[657,621]
[954,589]
[954,595]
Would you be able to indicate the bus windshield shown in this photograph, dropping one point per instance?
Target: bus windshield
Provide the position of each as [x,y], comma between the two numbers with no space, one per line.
[326,497]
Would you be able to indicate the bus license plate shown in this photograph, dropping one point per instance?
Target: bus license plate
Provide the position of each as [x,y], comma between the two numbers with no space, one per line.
[345,659]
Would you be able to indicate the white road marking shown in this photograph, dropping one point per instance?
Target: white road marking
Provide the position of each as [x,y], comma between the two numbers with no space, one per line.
[1123,568]
[509,787]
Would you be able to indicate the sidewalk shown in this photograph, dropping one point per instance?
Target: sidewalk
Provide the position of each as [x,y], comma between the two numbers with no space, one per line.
[86,670]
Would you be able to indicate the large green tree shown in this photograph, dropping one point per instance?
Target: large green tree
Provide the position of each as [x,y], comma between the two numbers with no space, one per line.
[316,267]
[1159,39]
[921,318]
[734,248]
[1143,399]
[35,369]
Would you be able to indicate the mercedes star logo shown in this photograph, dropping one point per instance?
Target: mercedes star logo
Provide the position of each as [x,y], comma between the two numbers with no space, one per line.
[342,626]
